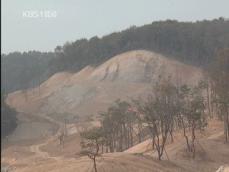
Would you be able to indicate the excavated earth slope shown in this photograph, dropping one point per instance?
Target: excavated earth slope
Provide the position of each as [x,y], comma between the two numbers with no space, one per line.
[92,90]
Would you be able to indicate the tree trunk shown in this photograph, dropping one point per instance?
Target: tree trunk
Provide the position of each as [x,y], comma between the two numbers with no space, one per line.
[121,139]
[131,136]
[208,102]
[185,135]
[226,126]
[94,160]
[171,133]
[107,145]
[227,123]
[193,141]
[128,137]
[125,137]
[139,132]
[111,144]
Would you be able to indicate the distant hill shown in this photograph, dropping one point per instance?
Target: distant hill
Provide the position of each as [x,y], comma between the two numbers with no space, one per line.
[194,43]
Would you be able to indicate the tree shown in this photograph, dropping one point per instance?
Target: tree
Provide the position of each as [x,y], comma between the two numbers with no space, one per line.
[118,126]
[219,73]
[159,111]
[61,138]
[183,40]
[191,115]
[204,84]
[137,109]
[90,144]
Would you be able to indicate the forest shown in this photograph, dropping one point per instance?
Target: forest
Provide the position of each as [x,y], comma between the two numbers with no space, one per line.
[195,43]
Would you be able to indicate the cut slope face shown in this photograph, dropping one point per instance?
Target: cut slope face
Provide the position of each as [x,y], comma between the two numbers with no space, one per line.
[131,74]
[143,66]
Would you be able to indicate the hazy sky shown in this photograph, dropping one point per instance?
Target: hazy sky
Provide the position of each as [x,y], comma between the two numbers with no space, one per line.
[86,18]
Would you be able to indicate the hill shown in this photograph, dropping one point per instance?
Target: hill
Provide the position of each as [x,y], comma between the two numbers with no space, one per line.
[194,43]
[43,110]
[93,89]
[75,97]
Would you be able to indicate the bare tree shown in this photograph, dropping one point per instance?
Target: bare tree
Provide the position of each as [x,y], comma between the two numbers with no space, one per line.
[159,113]
[219,73]
[91,140]
[137,108]
[204,85]
[61,139]
[191,115]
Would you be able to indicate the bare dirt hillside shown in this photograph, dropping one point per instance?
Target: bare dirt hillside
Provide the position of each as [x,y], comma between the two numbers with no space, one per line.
[66,97]
[92,90]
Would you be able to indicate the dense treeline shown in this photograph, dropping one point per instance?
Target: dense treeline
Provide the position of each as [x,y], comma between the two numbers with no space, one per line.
[8,120]
[24,70]
[20,71]
[195,43]
[118,127]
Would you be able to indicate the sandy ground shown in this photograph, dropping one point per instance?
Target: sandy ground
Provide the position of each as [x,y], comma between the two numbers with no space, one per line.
[212,153]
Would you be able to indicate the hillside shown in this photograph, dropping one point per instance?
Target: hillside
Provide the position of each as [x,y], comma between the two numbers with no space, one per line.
[73,97]
[212,155]
[125,76]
